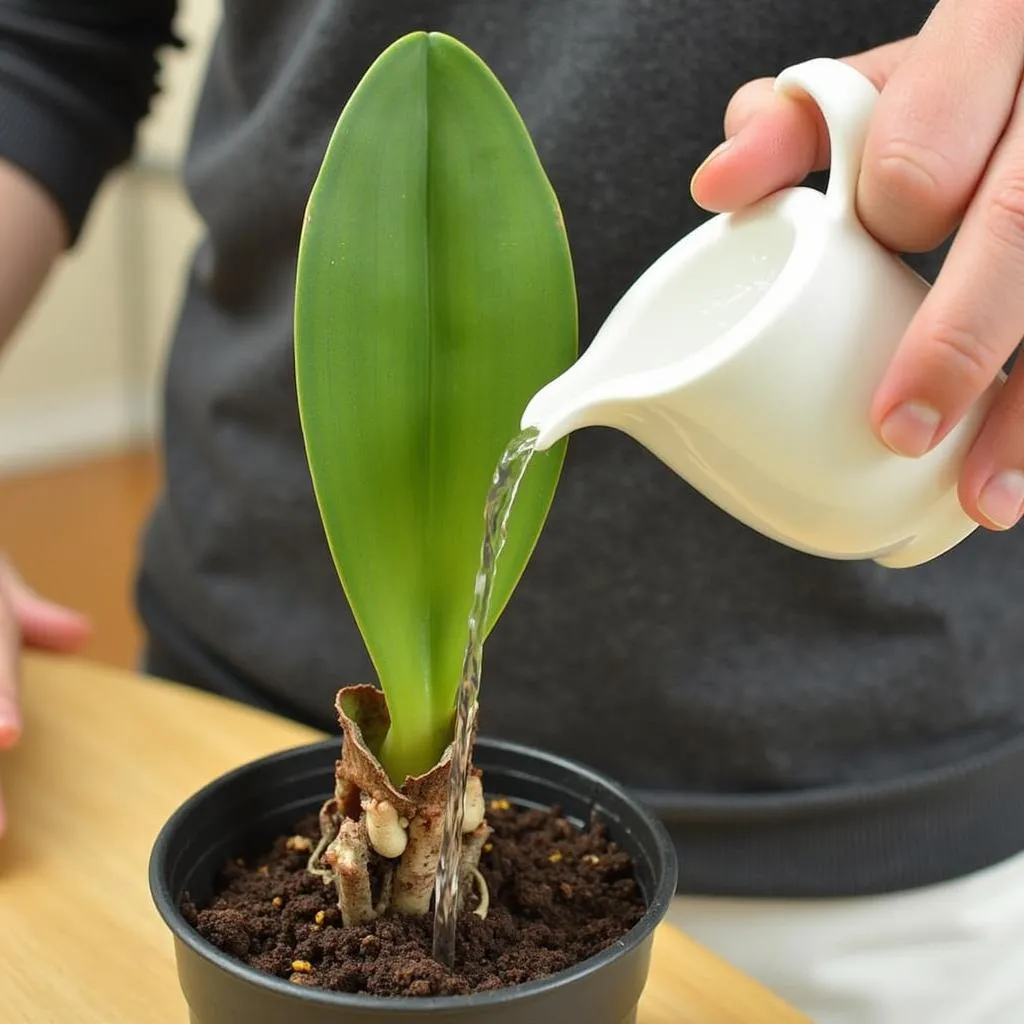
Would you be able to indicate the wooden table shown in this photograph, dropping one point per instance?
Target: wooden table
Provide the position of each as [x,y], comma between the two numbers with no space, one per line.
[106,757]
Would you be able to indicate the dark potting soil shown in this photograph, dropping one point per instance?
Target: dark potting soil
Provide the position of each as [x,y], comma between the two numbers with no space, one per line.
[558,895]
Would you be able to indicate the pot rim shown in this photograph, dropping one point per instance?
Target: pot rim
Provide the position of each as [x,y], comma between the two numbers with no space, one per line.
[657,905]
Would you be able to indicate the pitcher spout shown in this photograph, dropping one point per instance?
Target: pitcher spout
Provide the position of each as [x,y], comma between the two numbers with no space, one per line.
[567,404]
[691,312]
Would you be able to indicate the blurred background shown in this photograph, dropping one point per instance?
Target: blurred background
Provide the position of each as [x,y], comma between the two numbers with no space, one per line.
[80,380]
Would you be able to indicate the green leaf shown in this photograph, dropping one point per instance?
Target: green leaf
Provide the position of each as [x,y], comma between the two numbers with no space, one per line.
[435,297]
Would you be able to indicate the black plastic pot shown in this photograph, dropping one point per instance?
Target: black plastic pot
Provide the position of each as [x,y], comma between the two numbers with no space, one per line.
[242,812]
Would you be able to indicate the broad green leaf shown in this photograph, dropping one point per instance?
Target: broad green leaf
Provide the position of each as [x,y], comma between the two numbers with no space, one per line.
[435,296]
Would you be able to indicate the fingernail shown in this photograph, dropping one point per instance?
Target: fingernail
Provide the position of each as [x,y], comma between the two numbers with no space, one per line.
[713,155]
[10,730]
[910,428]
[10,724]
[1002,499]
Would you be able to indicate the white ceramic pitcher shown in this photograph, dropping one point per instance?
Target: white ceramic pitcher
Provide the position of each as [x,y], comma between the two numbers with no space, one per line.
[747,355]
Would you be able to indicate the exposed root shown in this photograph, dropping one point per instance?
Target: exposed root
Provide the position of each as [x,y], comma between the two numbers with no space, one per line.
[384,899]
[472,847]
[348,856]
[414,876]
[384,827]
[484,893]
[328,832]
[473,804]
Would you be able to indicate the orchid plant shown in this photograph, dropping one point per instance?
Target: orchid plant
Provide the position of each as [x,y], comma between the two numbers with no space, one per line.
[434,297]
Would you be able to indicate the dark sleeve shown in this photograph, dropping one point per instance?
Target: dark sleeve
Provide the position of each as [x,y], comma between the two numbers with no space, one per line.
[76,78]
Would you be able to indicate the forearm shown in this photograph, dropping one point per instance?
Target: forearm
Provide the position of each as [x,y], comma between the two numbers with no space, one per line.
[33,233]
[75,80]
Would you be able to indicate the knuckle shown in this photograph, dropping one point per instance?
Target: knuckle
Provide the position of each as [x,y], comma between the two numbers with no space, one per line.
[972,359]
[1006,213]
[909,172]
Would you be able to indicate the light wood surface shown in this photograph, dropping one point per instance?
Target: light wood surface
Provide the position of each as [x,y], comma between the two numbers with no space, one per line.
[106,757]
[73,531]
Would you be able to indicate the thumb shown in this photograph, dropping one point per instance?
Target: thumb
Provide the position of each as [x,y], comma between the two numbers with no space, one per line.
[774,141]
[43,623]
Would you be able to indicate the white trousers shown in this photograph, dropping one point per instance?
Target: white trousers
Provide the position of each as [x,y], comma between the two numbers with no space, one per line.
[946,954]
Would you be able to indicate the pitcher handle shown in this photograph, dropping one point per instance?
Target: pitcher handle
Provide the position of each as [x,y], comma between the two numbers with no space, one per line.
[847,100]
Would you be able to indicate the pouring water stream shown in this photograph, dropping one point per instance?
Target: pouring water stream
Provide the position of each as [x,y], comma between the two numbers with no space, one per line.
[500,498]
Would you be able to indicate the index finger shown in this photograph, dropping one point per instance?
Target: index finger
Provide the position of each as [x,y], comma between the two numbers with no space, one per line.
[774,141]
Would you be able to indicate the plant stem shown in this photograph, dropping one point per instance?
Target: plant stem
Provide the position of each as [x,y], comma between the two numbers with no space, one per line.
[413,746]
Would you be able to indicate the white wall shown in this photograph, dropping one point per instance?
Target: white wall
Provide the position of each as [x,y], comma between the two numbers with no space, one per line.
[81,374]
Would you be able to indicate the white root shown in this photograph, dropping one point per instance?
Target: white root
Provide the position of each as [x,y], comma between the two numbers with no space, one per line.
[472,847]
[484,903]
[414,876]
[386,887]
[328,831]
[473,807]
[384,828]
[348,856]
[314,864]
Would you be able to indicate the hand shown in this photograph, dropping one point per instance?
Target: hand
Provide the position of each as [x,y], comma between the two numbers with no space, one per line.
[945,148]
[26,618]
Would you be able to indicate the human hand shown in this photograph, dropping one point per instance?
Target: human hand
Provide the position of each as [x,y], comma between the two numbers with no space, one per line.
[26,618]
[945,148]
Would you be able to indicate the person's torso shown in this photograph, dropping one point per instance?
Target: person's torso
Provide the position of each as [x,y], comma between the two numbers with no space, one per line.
[717,660]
